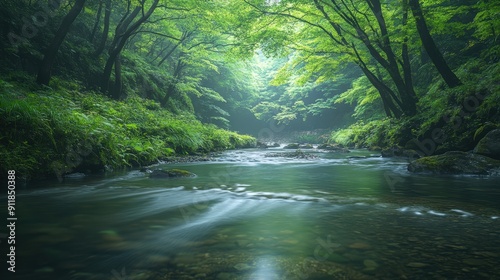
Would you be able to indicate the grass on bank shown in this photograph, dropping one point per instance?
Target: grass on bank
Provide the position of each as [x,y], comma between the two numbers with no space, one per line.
[62,129]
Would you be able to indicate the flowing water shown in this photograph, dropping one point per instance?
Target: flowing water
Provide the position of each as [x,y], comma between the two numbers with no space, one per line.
[248,216]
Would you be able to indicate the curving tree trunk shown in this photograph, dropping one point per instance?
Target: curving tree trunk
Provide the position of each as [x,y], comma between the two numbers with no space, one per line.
[123,33]
[96,23]
[430,46]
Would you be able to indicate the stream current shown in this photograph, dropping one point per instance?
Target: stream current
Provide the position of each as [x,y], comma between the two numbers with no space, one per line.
[250,216]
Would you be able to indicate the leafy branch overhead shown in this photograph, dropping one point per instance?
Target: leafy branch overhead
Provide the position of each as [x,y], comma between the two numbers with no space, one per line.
[293,61]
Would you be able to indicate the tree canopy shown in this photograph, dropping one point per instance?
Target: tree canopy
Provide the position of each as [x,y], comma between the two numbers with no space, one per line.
[293,61]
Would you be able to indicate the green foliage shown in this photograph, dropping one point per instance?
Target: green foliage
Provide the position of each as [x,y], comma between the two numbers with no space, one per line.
[374,133]
[311,137]
[463,114]
[295,62]
[66,130]
[486,23]
[365,98]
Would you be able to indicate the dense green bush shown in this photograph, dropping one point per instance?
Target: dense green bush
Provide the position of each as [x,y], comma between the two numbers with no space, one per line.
[63,130]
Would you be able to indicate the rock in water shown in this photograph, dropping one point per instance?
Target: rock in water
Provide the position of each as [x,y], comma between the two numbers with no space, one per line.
[170,173]
[333,148]
[292,146]
[455,163]
[490,145]
[306,146]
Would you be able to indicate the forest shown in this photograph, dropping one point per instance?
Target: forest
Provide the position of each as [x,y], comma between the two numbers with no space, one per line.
[250,139]
[136,81]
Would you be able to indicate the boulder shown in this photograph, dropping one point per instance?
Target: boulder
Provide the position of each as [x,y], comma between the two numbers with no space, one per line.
[306,146]
[455,162]
[489,145]
[262,145]
[170,173]
[333,147]
[292,146]
[327,146]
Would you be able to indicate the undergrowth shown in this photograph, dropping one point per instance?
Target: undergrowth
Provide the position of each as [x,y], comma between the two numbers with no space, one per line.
[448,119]
[53,131]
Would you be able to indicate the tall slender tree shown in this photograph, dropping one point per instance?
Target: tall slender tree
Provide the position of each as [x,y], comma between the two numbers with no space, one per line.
[123,32]
[104,36]
[44,72]
[430,46]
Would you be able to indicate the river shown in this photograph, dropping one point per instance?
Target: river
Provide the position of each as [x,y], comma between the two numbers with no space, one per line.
[250,216]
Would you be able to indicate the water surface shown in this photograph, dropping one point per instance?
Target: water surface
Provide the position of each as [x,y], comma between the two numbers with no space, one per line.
[248,216]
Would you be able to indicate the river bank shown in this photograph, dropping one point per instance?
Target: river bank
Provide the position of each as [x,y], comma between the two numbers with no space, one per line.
[50,132]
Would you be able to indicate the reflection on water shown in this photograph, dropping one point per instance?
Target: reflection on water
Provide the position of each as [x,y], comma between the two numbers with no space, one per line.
[247,216]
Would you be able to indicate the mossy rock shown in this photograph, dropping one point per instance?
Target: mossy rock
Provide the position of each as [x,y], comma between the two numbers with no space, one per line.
[327,146]
[171,173]
[292,146]
[455,163]
[333,148]
[262,145]
[306,146]
[489,145]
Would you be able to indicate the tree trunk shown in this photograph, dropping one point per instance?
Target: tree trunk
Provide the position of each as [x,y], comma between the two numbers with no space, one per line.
[96,23]
[407,97]
[404,49]
[405,90]
[109,67]
[117,91]
[179,66]
[50,53]
[430,46]
[169,53]
[116,47]
[104,38]
[388,97]
[124,31]
[386,94]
